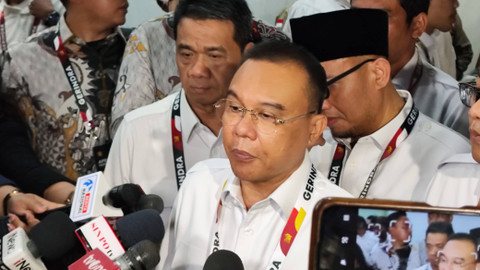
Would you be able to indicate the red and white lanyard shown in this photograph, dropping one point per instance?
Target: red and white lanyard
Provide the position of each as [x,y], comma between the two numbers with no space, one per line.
[291,228]
[3,34]
[339,155]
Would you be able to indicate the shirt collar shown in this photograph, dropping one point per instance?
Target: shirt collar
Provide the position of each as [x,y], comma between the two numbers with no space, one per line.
[403,77]
[189,118]
[21,8]
[68,37]
[285,196]
[382,136]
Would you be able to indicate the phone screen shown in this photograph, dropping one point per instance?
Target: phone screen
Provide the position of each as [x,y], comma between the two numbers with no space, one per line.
[379,237]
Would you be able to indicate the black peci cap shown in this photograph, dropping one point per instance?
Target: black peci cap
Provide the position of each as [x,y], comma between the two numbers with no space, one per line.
[344,33]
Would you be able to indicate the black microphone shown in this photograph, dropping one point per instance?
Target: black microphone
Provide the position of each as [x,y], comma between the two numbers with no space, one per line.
[131,198]
[144,255]
[223,260]
[150,201]
[141,225]
[52,236]
[125,196]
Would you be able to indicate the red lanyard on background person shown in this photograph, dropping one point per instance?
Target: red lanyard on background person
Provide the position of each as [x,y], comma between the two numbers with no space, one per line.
[3,33]
[177,142]
[293,225]
[77,92]
[339,155]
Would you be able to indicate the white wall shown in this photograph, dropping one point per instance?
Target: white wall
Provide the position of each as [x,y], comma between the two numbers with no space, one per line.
[469,10]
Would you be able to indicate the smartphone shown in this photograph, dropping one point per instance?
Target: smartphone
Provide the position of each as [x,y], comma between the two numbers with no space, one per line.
[338,232]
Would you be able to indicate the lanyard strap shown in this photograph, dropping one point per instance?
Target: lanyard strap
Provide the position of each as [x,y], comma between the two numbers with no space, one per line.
[177,142]
[416,76]
[293,225]
[3,34]
[405,129]
[72,79]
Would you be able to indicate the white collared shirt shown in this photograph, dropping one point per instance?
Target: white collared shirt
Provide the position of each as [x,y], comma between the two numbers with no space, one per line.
[142,151]
[405,174]
[19,21]
[252,234]
[436,94]
[456,183]
[440,51]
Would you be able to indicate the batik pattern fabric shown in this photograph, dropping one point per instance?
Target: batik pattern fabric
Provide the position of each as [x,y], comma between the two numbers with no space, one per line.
[35,76]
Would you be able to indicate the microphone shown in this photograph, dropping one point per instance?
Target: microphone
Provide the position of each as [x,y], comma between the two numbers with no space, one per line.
[124,196]
[144,255]
[87,201]
[20,252]
[131,198]
[223,260]
[131,229]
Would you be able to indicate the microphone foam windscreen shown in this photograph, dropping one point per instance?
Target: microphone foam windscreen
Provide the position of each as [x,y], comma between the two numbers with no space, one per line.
[143,255]
[141,225]
[222,260]
[54,236]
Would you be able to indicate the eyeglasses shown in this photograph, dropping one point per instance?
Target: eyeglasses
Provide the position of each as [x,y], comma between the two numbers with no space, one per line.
[457,263]
[231,113]
[469,93]
[346,73]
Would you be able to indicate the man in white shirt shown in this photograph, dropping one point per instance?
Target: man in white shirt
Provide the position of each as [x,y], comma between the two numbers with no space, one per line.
[436,42]
[384,148]
[259,202]
[436,237]
[302,8]
[457,181]
[435,93]
[156,144]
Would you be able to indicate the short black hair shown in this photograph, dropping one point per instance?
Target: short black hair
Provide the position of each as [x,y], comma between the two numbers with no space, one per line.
[464,237]
[280,51]
[395,216]
[414,7]
[440,227]
[236,11]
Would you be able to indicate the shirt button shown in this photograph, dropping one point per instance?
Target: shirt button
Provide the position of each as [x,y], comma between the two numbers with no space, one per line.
[248,231]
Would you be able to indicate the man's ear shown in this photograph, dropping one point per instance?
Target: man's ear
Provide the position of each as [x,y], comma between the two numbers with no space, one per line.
[418,25]
[248,46]
[318,124]
[381,72]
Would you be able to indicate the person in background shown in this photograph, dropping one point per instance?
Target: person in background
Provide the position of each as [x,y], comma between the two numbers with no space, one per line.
[456,182]
[436,42]
[418,255]
[460,252]
[366,239]
[435,239]
[63,81]
[156,144]
[383,147]
[434,92]
[463,48]
[149,69]
[22,18]
[393,254]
